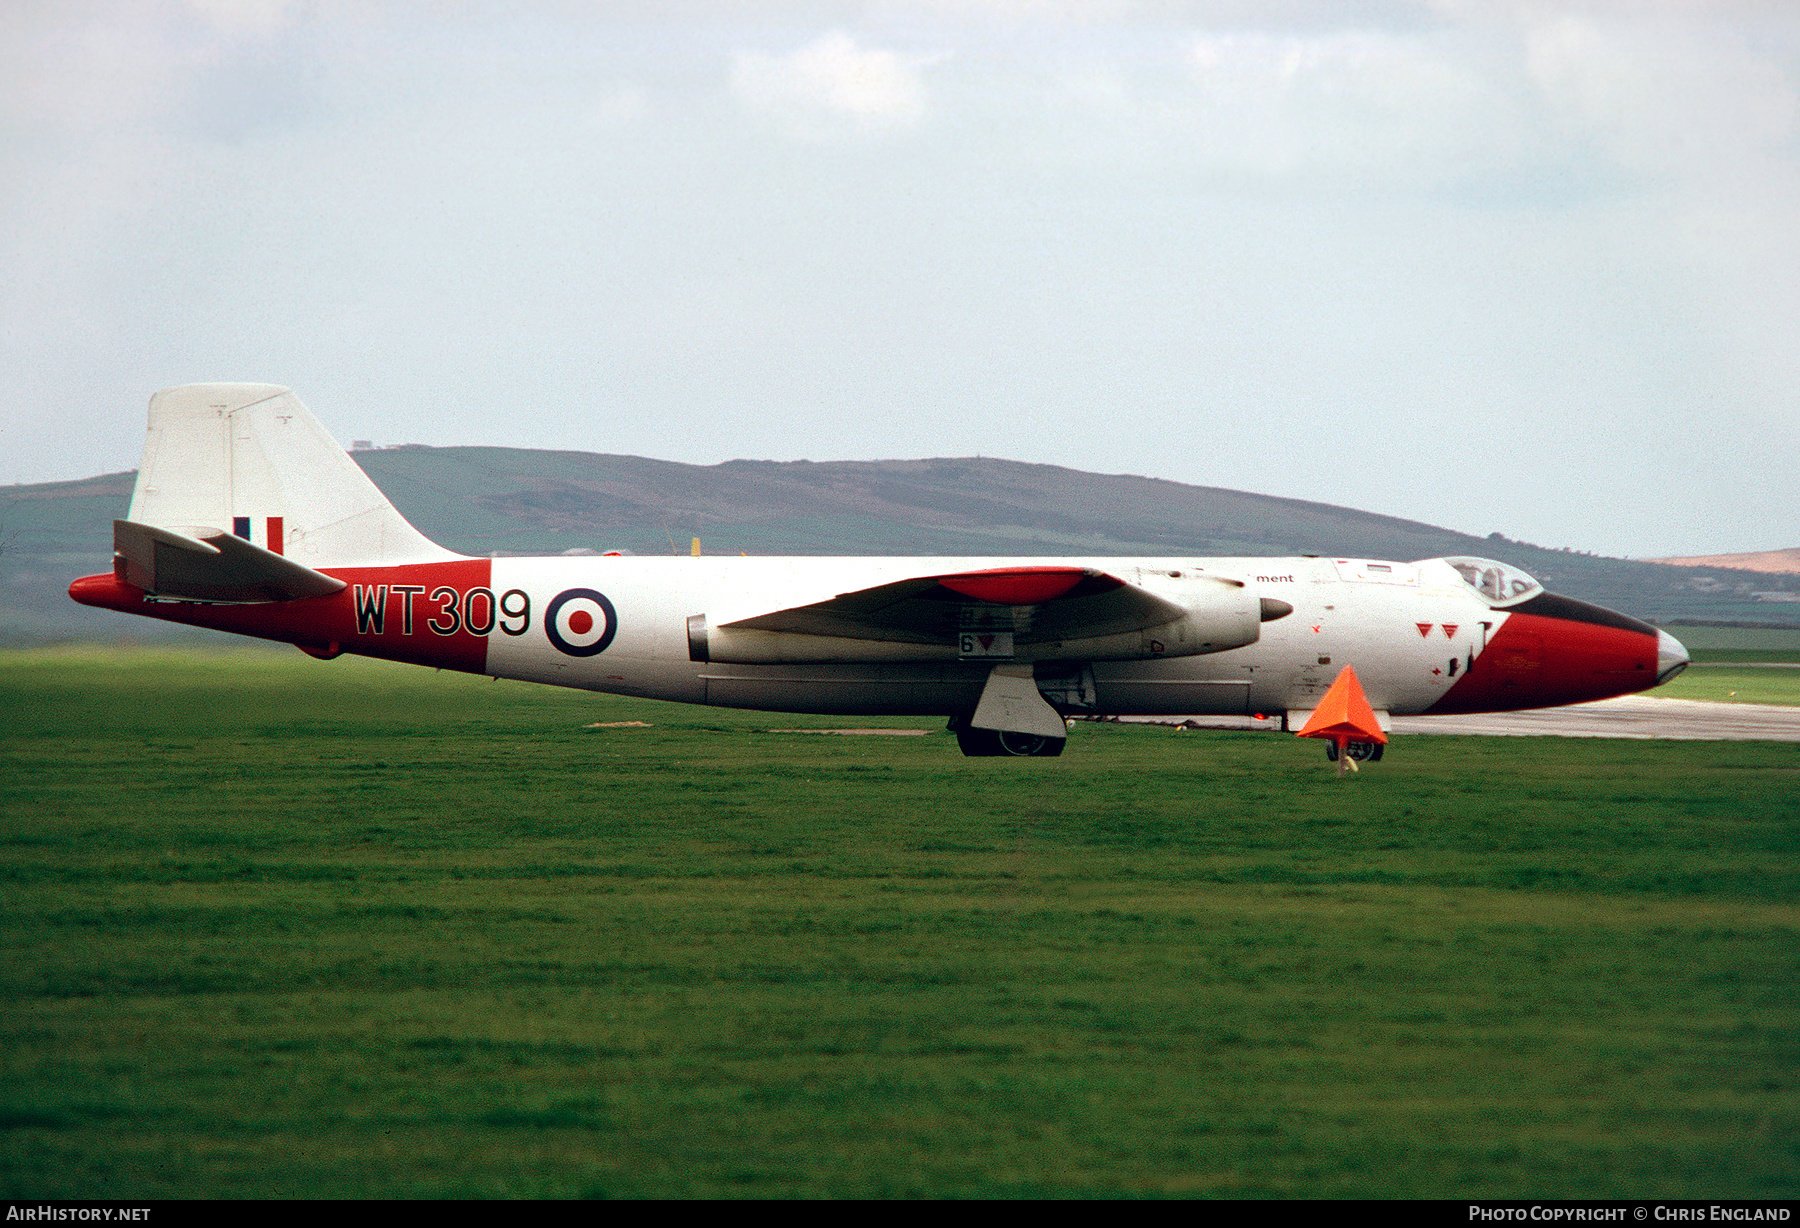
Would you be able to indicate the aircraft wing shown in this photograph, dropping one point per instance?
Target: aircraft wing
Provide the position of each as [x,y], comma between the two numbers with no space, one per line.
[214,567]
[1036,604]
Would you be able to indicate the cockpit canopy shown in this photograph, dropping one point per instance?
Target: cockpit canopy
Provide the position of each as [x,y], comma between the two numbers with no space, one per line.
[1501,583]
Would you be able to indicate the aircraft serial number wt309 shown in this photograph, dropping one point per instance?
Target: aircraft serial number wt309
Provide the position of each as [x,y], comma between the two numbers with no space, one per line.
[477,610]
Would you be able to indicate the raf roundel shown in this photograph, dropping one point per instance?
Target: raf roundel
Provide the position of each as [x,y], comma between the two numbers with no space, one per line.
[580,622]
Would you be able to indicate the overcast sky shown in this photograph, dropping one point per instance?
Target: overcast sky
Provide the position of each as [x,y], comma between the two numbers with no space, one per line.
[1531,268]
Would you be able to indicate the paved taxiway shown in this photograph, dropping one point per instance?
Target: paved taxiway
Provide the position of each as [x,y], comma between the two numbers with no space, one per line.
[1631,716]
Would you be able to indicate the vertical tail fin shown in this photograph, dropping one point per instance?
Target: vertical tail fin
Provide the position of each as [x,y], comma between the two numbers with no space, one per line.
[250,460]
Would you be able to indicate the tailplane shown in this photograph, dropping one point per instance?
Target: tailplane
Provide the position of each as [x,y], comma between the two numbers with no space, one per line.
[250,462]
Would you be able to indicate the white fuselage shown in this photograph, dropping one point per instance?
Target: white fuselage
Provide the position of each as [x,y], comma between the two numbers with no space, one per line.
[1402,626]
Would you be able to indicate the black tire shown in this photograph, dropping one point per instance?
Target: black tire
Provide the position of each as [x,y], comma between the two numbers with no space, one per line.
[1035,744]
[983,743]
[978,743]
[1367,752]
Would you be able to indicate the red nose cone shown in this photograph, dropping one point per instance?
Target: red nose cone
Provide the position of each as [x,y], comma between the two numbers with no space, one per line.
[1562,652]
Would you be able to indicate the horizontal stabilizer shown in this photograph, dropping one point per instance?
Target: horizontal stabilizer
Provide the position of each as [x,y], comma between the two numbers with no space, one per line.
[210,565]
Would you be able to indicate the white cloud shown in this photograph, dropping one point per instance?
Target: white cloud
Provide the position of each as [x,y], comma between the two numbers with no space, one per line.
[621,105]
[1221,221]
[1664,99]
[254,18]
[1360,101]
[830,82]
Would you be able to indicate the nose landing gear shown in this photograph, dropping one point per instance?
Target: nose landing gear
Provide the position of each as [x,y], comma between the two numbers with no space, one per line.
[1359,752]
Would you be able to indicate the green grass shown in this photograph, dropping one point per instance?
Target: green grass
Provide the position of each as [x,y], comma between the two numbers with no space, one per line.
[1734,684]
[281,927]
[1714,649]
[1764,643]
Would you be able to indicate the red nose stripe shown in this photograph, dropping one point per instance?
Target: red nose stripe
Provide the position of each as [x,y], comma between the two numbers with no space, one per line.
[1538,662]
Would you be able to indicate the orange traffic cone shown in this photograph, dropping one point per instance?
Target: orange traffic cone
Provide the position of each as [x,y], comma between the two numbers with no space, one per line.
[1344,716]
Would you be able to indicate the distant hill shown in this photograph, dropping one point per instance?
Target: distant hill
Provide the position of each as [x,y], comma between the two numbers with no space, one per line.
[516,501]
[1766,560]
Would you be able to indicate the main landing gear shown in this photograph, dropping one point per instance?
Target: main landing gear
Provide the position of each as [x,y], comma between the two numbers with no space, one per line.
[984,742]
[1361,752]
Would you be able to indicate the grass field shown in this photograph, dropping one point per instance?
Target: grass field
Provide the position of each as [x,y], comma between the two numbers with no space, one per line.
[1737,645]
[1731,665]
[1768,643]
[281,927]
[1743,684]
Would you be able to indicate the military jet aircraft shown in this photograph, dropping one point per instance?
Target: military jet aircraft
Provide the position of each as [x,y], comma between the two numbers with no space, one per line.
[249,518]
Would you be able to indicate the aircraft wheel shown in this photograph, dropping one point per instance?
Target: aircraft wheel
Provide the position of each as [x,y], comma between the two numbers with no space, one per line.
[1366,752]
[977,743]
[990,742]
[1029,744]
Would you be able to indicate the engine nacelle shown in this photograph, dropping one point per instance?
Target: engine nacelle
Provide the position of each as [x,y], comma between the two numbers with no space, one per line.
[1226,615]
